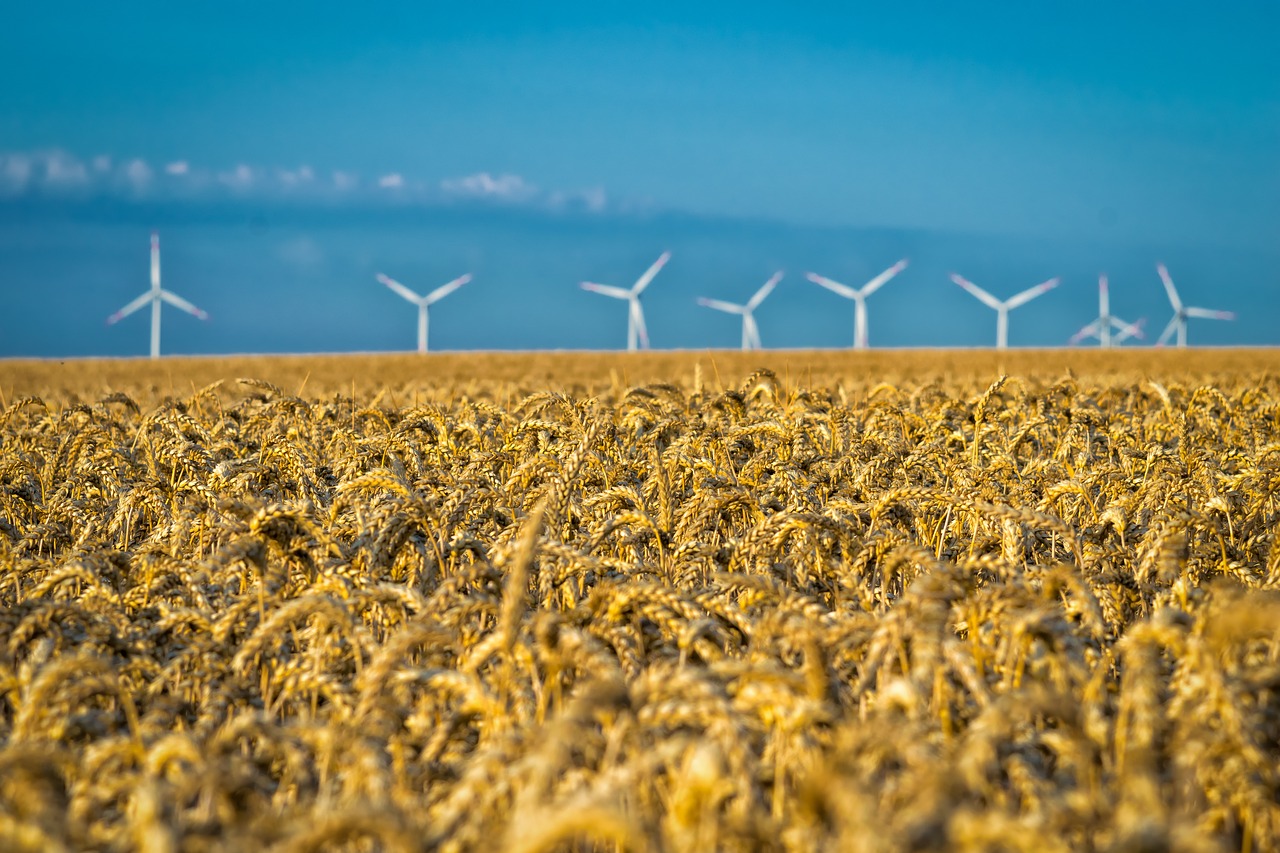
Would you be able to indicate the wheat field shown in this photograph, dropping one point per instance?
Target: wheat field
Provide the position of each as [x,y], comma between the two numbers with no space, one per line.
[675,602]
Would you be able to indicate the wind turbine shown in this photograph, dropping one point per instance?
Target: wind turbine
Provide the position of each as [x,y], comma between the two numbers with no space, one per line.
[155,296]
[1003,308]
[859,297]
[636,331]
[424,302]
[1101,327]
[1182,312]
[750,331]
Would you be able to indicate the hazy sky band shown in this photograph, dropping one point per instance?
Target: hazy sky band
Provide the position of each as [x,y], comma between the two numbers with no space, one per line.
[1056,119]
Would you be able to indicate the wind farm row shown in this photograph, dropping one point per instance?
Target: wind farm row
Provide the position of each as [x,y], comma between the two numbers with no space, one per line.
[1106,328]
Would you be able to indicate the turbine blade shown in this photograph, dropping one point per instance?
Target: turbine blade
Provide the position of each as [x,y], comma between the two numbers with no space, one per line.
[879,281]
[399,288]
[183,305]
[131,307]
[1207,314]
[727,307]
[1124,330]
[445,289]
[1089,331]
[1169,288]
[607,290]
[973,289]
[155,261]
[1031,293]
[643,281]
[1168,331]
[834,286]
[761,294]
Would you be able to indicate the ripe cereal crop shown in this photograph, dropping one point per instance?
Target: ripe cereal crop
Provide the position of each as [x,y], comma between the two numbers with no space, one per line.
[676,602]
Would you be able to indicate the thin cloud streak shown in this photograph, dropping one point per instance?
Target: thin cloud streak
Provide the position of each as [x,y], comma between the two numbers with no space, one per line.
[59,174]
[506,187]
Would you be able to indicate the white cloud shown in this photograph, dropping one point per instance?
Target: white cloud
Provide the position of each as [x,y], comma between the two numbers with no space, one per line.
[239,178]
[293,178]
[595,199]
[344,181]
[138,174]
[592,199]
[63,170]
[16,171]
[484,185]
[177,167]
[394,181]
[102,163]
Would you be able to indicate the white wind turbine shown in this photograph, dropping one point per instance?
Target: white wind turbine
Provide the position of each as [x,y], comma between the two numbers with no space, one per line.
[859,297]
[1003,308]
[1101,327]
[155,296]
[1182,312]
[424,302]
[750,331]
[637,334]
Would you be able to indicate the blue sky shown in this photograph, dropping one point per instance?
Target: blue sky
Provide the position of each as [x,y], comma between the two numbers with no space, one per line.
[1136,125]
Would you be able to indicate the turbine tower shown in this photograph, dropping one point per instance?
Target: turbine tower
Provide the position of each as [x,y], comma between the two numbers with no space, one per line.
[155,296]
[637,334]
[1182,312]
[1101,327]
[424,302]
[750,331]
[859,297]
[1003,308]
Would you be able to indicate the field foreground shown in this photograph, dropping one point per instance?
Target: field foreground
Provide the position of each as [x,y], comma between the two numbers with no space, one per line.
[679,602]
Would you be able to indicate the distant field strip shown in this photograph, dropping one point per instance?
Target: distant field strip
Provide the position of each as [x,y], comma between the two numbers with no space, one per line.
[506,373]
[677,601]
